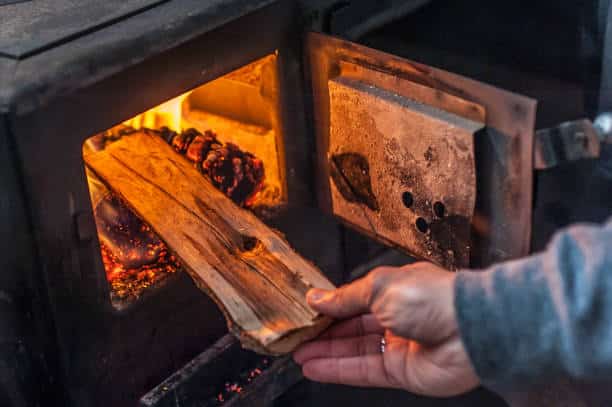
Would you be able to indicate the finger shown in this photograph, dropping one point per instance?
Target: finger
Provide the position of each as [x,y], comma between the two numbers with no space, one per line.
[357,326]
[365,371]
[344,302]
[338,348]
[349,300]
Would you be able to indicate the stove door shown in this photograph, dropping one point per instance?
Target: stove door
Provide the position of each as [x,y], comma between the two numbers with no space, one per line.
[428,161]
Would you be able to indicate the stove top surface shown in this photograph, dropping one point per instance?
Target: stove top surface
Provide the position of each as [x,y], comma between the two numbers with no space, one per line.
[30,26]
[52,47]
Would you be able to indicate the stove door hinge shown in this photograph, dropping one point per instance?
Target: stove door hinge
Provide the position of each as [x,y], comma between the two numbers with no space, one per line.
[571,141]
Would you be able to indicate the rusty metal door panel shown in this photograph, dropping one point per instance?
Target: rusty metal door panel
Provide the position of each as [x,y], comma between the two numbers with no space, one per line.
[428,161]
[402,171]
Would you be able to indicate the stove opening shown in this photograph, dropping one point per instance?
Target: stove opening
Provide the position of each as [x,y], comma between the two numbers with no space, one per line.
[230,130]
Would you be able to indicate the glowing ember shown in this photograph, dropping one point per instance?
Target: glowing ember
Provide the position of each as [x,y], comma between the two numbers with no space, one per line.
[134,256]
[245,378]
[130,283]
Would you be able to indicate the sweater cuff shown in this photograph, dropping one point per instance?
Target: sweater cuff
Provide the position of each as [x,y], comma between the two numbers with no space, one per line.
[498,317]
[474,317]
[501,314]
[472,311]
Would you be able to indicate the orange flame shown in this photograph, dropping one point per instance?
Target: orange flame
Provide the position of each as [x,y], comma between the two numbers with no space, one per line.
[167,114]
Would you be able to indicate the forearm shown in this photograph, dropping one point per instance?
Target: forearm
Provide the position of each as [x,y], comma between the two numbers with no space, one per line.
[546,315]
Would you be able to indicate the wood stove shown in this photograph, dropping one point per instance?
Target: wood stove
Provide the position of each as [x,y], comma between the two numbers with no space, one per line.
[456,168]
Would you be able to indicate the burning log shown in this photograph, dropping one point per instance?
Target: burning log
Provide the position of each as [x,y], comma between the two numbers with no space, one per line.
[258,281]
[134,257]
[129,239]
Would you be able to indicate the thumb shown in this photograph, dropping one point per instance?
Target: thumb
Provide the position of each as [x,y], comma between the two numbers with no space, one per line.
[347,301]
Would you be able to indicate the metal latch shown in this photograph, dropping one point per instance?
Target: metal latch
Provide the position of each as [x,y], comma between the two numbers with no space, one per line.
[571,141]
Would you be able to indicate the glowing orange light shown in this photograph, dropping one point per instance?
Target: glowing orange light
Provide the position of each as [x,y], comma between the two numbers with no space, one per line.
[168,114]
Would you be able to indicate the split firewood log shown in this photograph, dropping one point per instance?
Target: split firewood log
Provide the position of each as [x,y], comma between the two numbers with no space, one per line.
[251,272]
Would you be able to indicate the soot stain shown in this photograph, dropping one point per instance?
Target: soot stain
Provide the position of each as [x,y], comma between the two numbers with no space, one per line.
[351,175]
[429,155]
[452,236]
[447,239]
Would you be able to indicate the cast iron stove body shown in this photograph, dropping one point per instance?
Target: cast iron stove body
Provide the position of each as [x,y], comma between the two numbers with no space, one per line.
[69,71]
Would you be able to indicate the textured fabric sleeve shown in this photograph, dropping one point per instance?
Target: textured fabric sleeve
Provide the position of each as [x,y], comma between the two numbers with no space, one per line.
[543,317]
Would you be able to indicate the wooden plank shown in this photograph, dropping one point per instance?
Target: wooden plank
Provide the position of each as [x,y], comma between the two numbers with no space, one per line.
[248,269]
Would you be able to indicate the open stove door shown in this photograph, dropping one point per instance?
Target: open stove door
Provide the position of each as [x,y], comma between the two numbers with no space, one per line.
[422,159]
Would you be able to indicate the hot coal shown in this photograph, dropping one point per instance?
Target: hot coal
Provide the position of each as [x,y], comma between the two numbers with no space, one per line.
[134,256]
[238,384]
[129,284]
[132,242]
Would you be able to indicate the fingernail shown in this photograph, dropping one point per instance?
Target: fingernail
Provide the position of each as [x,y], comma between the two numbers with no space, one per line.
[316,295]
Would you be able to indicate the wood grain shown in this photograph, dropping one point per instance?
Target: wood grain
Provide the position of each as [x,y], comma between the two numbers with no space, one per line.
[255,277]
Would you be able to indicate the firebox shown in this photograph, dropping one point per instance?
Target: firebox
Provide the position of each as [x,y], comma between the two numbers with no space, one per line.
[309,132]
[230,129]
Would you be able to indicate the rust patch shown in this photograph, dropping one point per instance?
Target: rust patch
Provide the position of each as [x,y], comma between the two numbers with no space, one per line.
[451,234]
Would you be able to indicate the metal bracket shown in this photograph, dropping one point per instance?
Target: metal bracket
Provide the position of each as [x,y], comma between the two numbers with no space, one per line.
[567,142]
[572,141]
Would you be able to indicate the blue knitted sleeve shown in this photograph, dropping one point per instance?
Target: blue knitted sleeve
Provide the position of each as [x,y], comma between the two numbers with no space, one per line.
[544,317]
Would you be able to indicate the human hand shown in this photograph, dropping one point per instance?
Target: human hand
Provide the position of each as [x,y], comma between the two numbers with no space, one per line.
[412,308]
